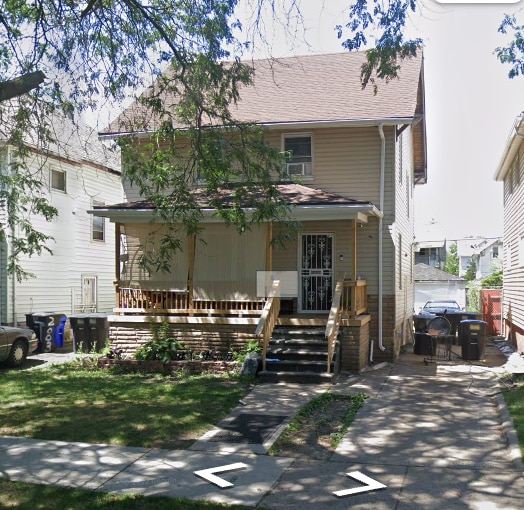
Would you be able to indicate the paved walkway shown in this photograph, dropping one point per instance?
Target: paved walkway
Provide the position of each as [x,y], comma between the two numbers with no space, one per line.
[432,436]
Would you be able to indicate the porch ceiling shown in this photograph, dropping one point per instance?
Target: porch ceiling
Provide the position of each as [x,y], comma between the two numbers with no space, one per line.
[307,204]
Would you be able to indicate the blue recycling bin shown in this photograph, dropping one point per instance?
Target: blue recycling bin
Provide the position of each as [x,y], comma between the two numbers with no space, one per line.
[49,328]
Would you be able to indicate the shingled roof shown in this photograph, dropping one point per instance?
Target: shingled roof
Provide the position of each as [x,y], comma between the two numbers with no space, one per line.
[303,200]
[425,273]
[308,89]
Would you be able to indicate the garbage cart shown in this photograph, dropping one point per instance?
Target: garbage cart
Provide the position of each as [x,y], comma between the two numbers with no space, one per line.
[90,331]
[49,328]
[472,336]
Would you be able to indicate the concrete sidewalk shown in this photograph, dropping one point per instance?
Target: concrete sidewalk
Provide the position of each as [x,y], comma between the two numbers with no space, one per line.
[436,436]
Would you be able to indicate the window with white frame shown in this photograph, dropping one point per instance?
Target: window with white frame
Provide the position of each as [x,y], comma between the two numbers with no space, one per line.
[58,180]
[299,148]
[98,225]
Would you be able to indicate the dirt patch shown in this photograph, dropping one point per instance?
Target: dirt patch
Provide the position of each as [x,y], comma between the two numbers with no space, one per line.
[318,428]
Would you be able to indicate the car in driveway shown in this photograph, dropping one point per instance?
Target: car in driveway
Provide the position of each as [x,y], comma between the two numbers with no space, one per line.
[16,344]
[441,306]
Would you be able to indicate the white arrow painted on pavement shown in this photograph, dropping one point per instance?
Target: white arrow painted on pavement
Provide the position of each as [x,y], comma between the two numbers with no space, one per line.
[209,474]
[371,485]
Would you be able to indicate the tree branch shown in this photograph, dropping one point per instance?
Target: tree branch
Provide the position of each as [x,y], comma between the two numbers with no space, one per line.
[20,85]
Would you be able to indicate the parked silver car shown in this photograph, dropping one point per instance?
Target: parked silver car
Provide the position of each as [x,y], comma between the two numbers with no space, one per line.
[16,344]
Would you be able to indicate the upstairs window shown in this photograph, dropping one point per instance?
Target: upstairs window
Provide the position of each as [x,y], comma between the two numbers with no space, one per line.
[58,180]
[98,225]
[300,161]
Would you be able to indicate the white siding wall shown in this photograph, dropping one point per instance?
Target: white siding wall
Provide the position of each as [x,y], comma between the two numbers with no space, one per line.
[75,254]
[513,300]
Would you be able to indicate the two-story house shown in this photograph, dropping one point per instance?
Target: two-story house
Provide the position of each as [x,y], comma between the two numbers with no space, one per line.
[359,156]
[431,253]
[511,172]
[484,254]
[78,172]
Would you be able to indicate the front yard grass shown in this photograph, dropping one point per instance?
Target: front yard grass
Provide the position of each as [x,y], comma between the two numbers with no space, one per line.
[70,403]
[25,496]
[515,402]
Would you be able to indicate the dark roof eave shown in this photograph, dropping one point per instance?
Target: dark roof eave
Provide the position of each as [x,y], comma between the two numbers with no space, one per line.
[358,212]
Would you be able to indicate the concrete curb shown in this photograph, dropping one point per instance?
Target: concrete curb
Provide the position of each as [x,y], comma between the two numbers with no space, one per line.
[509,432]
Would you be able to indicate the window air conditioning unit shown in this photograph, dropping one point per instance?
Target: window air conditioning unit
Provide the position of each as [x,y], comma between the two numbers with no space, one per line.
[296,169]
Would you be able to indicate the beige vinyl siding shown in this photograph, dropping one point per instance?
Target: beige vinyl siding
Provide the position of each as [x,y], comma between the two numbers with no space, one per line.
[367,245]
[513,300]
[58,276]
[403,230]
[226,262]
[346,161]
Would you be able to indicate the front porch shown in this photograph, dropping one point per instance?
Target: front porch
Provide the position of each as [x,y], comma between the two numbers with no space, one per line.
[224,326]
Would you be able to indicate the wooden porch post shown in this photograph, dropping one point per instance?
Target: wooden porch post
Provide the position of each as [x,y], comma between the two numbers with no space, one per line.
[269,247]
[117,264]
[354,254]
[190,271]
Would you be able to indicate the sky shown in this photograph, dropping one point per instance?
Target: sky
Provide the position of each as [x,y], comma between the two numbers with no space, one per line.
[471,106]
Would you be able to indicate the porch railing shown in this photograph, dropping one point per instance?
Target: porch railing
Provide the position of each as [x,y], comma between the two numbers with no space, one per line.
[333,323]
[354,298]
[135,300]
[268,319]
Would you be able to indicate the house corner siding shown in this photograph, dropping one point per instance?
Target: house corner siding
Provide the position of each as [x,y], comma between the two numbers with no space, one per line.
[513,249]
[390,340]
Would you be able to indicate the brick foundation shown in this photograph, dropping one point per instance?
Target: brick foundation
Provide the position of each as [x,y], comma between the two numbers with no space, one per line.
[390,339]
[354,347]
[219,338]
[187,367]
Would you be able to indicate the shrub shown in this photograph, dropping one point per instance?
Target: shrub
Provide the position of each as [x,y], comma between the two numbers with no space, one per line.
[162,347]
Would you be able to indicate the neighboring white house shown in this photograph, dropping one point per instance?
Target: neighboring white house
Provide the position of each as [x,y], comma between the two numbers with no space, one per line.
[485,253]
[433,284]
[432,253]
[511,172]
[79,173]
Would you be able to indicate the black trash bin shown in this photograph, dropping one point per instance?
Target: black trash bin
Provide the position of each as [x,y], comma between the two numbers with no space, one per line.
[99,330]
[49,328]
[90,331]
[425,344]
[472,335]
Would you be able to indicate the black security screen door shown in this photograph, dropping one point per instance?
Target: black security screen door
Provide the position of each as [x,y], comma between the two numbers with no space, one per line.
[316,273]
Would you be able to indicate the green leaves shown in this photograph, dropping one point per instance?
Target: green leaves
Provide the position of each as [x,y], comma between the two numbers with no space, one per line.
[385,22]
[513,53]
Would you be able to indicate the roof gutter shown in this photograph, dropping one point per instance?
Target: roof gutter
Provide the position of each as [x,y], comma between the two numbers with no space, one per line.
[512,146]
[310,124]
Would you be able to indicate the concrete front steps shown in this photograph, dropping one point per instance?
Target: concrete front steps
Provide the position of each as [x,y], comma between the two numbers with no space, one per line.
[299,355]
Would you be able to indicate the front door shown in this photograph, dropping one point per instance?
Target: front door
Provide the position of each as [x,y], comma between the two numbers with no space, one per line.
[316,272]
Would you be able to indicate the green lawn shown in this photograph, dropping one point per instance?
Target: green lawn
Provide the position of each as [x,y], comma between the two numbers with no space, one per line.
[79,403]
[25,496]
[95,406]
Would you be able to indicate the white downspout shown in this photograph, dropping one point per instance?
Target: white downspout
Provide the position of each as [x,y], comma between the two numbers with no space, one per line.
[380,229]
